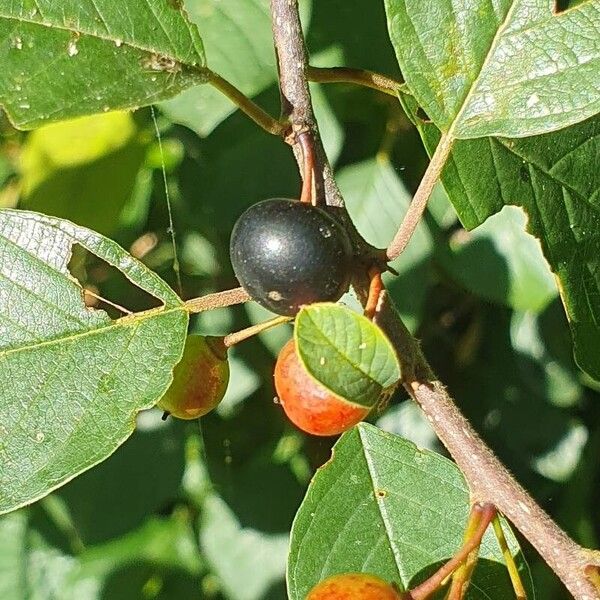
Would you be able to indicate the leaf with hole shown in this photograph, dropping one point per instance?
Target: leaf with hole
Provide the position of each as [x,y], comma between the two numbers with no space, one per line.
[71,379]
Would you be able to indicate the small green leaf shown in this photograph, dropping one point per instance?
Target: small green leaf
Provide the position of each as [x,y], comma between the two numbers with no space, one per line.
[384,506]
[346,352]
[71,379]
[102,55]
[513,67]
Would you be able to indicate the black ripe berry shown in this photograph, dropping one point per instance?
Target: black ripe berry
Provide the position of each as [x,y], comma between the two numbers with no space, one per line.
[287,253]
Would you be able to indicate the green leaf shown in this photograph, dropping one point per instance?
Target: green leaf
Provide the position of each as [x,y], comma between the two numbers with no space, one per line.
[346,352]
[32,567]
[247,562]
[12,584]
[500,261]
[71,379]
[101,155]
[481,50]
[552,178]
[90,497]
[511,68]
[383,506]
[82,57]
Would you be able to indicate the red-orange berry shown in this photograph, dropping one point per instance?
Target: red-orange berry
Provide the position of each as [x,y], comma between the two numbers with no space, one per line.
[308,404]
[353,586]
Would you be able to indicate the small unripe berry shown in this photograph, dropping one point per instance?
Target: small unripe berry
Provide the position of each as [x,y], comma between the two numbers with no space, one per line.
[287,253]
[199,380]
[353,586]
[308,404]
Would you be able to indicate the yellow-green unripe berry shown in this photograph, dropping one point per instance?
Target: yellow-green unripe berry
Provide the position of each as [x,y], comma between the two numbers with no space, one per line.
[199,380]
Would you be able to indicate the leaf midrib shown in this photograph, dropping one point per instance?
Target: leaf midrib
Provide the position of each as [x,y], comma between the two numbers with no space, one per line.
[485,62]
[399,567]
[124,322]
[343,356]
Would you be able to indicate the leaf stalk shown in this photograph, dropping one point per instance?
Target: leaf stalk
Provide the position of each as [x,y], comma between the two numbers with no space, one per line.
[217,300]
[362,77]
[419,202]
[247,106]
[239,336]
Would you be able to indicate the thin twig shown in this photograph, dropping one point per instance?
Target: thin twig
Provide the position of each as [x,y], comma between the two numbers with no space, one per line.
[511,565]
[479,520]
[239,336]
[487,477]
[217,300]
[419,202]
[461,578]
[370,79]
[251,109]
[295,95]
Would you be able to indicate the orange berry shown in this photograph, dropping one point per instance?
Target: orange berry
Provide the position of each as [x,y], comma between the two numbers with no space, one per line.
[199,380]
[308,404]
[353,586]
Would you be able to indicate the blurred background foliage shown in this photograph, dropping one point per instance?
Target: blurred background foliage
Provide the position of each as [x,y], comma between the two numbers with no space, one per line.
[203,509]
